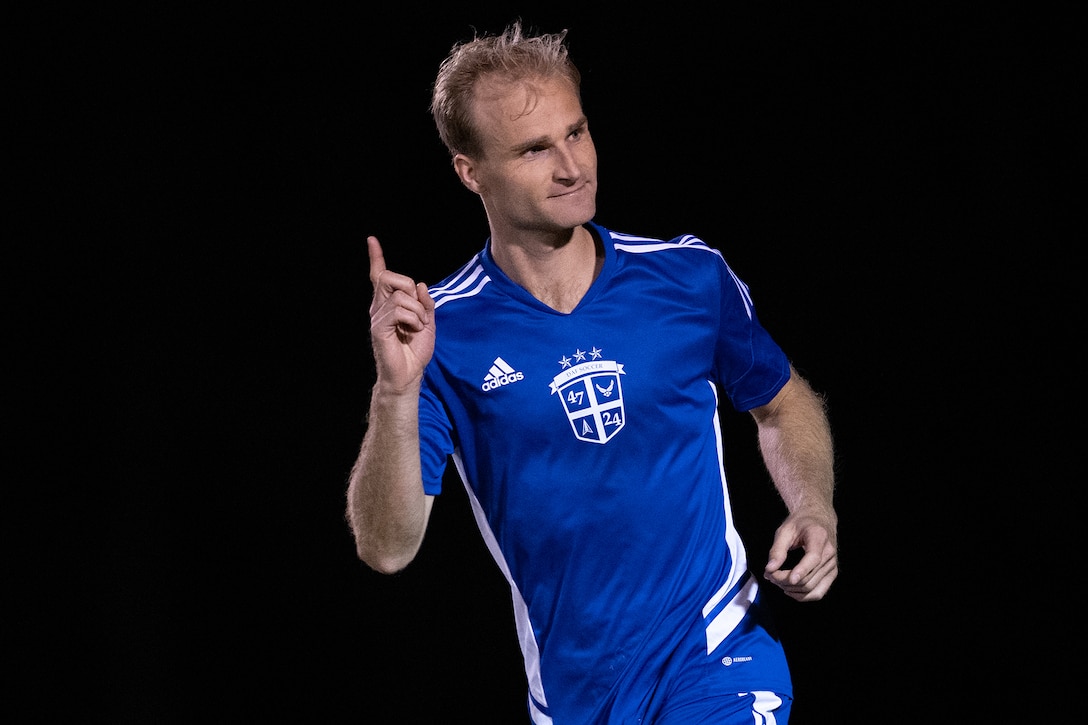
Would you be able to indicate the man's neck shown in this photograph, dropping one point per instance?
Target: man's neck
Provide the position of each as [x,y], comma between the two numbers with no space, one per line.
[558,273]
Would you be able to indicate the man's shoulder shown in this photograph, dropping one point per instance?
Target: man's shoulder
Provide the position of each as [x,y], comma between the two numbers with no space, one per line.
[467,282]
[643,244]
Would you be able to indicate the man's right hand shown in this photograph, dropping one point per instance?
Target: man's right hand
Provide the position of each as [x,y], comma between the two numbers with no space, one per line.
[402,329]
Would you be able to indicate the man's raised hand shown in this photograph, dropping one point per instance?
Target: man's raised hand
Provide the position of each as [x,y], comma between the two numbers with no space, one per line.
[402,329]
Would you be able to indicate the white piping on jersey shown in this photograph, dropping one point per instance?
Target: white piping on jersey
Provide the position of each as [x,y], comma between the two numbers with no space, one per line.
[529,648]
[538,717]
[450,297]
[765,705]
[651,244]
[642,245]
[648,244]
[743,291]
[460,282]
[726,621]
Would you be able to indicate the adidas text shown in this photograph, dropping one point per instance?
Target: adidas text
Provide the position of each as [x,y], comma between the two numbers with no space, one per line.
[492,383]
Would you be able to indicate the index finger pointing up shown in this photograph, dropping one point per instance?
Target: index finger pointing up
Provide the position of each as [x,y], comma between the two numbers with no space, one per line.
[377,259]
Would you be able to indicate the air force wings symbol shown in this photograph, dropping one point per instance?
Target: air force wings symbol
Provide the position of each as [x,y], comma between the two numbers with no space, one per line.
[593,399]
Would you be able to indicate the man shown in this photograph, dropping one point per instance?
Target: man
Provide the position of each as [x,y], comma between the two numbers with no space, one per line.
[573,375]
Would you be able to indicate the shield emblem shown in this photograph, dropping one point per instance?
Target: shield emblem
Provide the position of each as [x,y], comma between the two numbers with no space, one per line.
[593,399]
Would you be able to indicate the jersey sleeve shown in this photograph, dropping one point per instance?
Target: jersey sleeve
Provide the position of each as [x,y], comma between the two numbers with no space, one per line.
[751,365]
[435,439]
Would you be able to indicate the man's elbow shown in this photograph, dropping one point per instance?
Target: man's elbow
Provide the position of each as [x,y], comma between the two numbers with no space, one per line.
[383,560]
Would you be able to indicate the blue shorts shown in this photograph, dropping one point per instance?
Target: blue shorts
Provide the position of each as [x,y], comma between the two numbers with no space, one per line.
[744,680]
[743,708]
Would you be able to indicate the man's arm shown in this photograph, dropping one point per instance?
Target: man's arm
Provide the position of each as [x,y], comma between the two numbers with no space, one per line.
[386,505]
[796,445]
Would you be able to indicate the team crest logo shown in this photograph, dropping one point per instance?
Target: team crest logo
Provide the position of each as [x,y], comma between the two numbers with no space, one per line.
[592,395]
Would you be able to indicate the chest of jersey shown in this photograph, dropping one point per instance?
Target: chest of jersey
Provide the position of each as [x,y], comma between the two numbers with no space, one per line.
[618,365]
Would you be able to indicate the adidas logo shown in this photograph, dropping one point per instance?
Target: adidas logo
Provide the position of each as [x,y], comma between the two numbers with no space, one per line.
[500,374]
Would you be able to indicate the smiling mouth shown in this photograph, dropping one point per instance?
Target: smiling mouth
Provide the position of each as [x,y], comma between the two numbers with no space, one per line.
[581,188]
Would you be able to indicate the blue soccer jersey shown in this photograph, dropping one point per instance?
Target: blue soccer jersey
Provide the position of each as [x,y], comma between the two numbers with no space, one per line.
[590,447]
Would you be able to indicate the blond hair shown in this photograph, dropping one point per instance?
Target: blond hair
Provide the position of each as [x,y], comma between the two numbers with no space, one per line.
[514,55]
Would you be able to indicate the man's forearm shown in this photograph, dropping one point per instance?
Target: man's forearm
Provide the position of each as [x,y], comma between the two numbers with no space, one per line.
[797,448]
[387,508]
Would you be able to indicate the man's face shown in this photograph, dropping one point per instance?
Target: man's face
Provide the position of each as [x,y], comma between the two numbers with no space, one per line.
[538,171]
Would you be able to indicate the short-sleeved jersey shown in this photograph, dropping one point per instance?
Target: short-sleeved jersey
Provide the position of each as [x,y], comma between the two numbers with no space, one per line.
[590,446]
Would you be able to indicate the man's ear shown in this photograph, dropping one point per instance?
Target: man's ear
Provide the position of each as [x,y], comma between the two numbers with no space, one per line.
[466,172]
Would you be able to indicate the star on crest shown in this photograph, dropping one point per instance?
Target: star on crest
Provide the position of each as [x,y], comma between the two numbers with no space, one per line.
[580,356]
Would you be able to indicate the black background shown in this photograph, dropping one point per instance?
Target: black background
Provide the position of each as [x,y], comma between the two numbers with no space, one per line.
[876,176]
